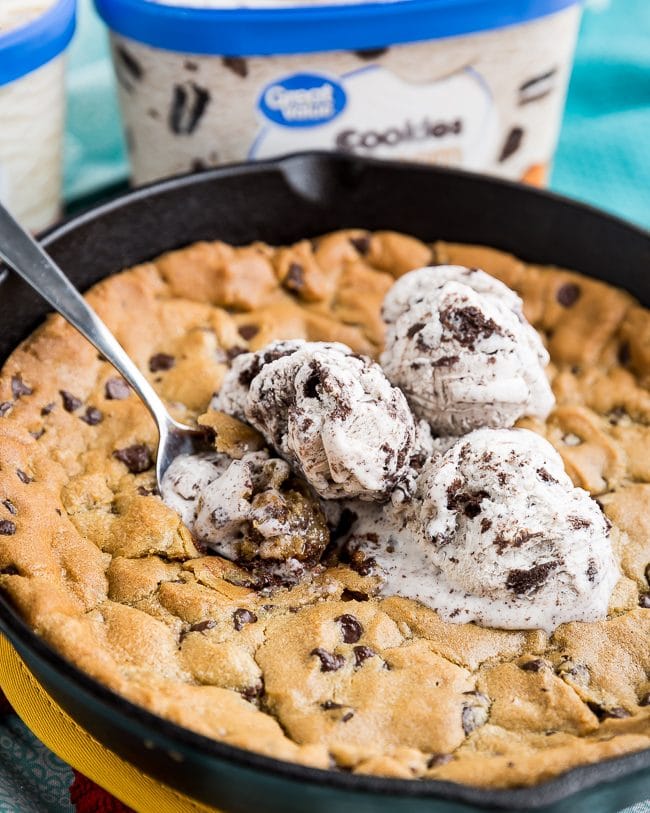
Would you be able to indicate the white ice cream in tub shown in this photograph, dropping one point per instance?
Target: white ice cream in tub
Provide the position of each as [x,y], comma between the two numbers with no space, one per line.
[478,84]
[33,37]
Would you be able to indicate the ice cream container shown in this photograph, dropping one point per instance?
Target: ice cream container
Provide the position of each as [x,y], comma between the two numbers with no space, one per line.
[478,84]
[33,37]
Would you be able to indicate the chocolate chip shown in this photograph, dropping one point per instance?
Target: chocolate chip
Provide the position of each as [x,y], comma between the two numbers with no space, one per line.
[647,573]
[535,665]
[252,693]
[47,409]
[329,662]
[236,64]
[416,328]
[5,407]
[247,332]
[524,582]
[361,654]
[568,294]
[7,527]
[353,595]
[624,354]
[202,626]
[511,144]
[117,389]
[577,672]
[234,351]
[347,716]
[295,278]
[371,53]
[644,600]
[189,102]
[603,713]
[129,62]
[350,627]
[38,434]
[70,401]
[362,244]
[242,617]
[19,388]
[161,361]
[93,416]
[10,507]
[475,712]
[23,477]
[645,699]
[438,759]
[328,705]
[137,458]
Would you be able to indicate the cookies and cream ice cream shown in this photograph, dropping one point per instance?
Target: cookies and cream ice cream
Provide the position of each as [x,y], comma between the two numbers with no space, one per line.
[460,348]
[498,536]
[331,413]
[253,511]
[369,79]
[33,35]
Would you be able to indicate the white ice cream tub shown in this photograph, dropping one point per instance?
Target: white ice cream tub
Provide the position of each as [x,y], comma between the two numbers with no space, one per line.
[33,37]
[479,84]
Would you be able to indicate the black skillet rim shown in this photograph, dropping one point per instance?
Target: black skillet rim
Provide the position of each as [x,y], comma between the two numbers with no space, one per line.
[560,788]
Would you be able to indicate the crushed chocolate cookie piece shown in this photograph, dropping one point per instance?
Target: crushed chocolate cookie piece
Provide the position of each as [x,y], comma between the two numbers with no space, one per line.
[70,402]
[129,62]
[535,665]
[189,103]
[353,595]
[475,711]
[436,760]
[7,527]
[117,389]
[19,388]
[545,476]
[329,662]
[524,582]
[248,332]
[47,409]
[92,416]
[10,507]
[416,328]
[5,408]
[511,144]
[361,654]
[161,361]
[468,324]
[24,477]
[351,628]
[362,244]
[241,617]
[237,64]
[136,458]
[568,294]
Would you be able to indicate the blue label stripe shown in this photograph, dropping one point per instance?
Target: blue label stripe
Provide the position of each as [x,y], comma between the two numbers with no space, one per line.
[24,49]
[266,31]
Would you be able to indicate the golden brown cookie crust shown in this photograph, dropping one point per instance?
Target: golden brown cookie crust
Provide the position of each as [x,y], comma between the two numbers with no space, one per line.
[323,673]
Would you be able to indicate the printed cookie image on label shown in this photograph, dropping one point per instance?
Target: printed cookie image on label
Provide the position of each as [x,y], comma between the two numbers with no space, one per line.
[373,112]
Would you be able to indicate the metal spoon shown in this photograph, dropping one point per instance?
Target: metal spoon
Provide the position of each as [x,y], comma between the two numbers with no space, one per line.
[19,250]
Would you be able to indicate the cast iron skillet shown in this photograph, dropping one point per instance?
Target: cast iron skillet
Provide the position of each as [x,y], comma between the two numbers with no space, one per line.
[279,202]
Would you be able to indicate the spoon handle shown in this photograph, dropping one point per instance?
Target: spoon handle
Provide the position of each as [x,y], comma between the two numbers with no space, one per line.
[20,251]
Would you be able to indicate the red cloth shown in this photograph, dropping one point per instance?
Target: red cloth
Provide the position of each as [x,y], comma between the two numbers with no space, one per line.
[87,797]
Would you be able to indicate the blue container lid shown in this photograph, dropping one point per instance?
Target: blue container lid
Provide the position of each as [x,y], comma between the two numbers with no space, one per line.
[26,48]
[309,29]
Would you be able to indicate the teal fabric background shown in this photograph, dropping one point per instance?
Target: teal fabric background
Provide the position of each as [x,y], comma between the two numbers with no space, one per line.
[604,153]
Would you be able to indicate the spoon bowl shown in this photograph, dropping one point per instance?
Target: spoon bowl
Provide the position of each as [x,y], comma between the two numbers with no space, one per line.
[20,251]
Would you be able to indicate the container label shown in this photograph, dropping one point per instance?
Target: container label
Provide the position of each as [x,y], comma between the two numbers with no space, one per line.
[375,113]
[302,100]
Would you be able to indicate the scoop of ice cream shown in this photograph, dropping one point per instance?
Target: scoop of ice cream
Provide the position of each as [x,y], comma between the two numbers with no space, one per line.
[252,511]
[460,348]
[331,413]
[502,538]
